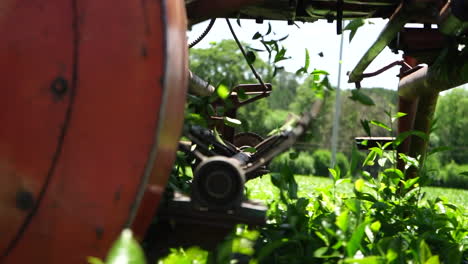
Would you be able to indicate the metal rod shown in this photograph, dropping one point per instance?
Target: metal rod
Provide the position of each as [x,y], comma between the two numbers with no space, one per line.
[336,117]
[198,86]
[288,138]
[255,73]
[389,66]
[396,23]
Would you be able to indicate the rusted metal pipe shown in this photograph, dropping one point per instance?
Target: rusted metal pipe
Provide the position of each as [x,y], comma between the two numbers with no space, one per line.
[423,86]
[405,12]
[427,81]
[198,86]
[408,107]
[405,123]
[422,122]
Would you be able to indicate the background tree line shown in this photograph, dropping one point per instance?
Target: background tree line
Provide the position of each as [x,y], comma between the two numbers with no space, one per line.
[293,94]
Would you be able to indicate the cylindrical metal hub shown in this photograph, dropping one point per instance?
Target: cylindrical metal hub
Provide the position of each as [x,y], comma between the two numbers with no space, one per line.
[218,184]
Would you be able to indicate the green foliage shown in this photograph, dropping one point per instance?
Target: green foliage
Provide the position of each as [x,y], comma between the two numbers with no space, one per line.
[192,255]
[125,250]
[450,129]
[353,26]
[359,96]
[384,219]
[322,160]
[299,162]
[224,63]
[450,175]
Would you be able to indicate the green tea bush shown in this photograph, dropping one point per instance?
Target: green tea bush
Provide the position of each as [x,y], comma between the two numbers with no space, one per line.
[385,220]
[451,175]
[300,162]
[322,160]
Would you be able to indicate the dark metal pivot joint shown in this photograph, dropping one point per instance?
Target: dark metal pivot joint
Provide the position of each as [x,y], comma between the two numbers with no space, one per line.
[218,184]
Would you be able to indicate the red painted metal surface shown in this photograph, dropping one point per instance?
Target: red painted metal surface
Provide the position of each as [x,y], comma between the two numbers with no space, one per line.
[36,55]
[171,125]
[86,117]
[405,123]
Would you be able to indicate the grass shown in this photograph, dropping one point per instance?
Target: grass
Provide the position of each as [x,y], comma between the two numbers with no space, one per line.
[263,189]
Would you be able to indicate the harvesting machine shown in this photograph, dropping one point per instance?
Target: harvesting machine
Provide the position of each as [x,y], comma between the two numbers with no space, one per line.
[92,107]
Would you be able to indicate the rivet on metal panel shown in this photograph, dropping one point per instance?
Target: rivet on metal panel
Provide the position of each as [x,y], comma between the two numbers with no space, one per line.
[99,232]
[24,200]
[144,51]
[118,195]
[59,87]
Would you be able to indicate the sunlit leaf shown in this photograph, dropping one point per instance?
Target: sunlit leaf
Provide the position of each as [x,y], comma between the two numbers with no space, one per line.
[333,173]
[375,226]
[409,183]
[354,205]
[232,122]
[366,260]
[280,55]
[320,252]
[433,260]
[342,220]
[424,252]
[339,181]
[250,150]
[126,250]
[370,158]
[397,116]
[93,260]
[394,173]
[355,242]
[218,137]
[359,185]
[319,72]
[223,91]
[380,124]
[409,161]
[307,60]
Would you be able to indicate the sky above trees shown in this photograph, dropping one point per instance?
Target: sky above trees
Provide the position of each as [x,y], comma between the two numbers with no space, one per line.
[318,37]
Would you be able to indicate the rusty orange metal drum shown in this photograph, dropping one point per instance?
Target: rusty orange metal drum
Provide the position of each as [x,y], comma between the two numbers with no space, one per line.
[91,109]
